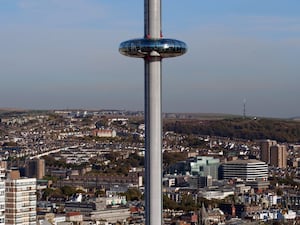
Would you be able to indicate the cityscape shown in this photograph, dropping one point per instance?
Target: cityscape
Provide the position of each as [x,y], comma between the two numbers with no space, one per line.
[87,167]
[216,142]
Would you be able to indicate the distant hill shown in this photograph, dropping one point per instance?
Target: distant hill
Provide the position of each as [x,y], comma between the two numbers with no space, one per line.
[11,110]
[17,112]
[249,129]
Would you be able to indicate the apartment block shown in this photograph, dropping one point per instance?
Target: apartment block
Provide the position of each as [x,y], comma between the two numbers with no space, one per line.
[265,148]
[20,200]
[278,156]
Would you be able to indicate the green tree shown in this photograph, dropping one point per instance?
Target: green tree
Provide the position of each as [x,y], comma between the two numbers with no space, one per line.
[170,158]
[47,193]
[169,203]
[188,203]
[68,190]
[133,194]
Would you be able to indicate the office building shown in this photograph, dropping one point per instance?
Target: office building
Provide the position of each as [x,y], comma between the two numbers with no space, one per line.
[204,166]
[248,170]
[20,200]
[197,166]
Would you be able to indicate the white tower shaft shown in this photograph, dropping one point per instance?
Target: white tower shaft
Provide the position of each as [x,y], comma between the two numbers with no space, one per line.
[153,143]
[152,19]
[153,120]
[152,48]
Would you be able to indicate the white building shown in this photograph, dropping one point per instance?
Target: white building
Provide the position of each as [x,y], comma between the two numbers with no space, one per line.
[216,194]
[2,194]
[248,170]
[105,133]
[2,202]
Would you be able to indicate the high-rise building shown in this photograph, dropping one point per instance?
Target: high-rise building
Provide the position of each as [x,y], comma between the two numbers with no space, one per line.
[278,155]
[20,200]
[265,147]
[35,168]
[2,196]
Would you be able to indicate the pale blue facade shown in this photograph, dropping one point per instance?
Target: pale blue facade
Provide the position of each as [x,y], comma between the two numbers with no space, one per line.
[204,166]
[197,166]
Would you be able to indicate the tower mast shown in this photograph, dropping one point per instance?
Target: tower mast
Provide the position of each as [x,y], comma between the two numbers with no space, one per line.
[244,108]
[153,48]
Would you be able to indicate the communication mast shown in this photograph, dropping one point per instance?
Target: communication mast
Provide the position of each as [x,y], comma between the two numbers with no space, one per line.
[244,108]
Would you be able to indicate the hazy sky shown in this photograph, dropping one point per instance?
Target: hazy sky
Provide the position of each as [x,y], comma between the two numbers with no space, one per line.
[64,54]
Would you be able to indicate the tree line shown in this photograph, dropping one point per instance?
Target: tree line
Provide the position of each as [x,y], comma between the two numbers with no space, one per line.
[249,129]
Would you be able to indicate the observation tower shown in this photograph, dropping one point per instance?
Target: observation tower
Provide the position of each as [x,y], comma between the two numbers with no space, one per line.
[153,48]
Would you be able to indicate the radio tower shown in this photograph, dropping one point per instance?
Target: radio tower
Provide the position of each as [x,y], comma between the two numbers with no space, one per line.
[153,48]
[244,109]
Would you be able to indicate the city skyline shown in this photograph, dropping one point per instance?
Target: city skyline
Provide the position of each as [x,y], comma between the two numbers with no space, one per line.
[63,54]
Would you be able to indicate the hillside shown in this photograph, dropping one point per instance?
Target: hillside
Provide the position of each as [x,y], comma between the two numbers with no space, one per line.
[250,129]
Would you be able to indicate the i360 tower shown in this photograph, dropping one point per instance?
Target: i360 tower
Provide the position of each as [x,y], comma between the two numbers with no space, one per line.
[153,48]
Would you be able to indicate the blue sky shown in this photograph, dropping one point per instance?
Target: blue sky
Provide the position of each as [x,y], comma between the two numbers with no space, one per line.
[64,54]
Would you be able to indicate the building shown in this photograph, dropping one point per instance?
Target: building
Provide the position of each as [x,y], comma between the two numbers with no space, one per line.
[199,181]
[265,148]
[112,215]
[204,166]
[248,170]
[35,168]
[110,209]
[20,200]
[107,133]
[211,216]
[278,156]
[51,218]
[91,181]
[74,217]
[215,192]
[198,166]
[2,197]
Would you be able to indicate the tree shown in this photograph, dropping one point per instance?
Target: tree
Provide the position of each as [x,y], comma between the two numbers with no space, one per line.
[100,193]
[188,203]
[47,193]
[169,203]
[133,194]
[171,158]
[68,190]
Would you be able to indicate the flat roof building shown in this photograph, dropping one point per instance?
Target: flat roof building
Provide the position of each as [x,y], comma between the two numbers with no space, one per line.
[265,148]
[205,166]
[35,168]
[2,202]
[198,166]
[248,170]
[20,200]
[278,156]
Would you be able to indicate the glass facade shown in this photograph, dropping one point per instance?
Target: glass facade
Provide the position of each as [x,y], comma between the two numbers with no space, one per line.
[204,166]
[142,48]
